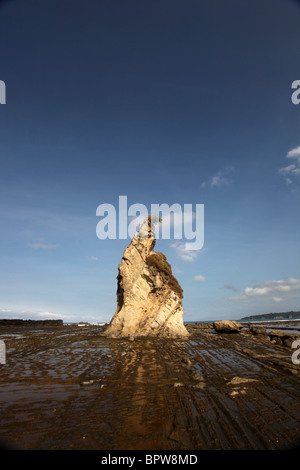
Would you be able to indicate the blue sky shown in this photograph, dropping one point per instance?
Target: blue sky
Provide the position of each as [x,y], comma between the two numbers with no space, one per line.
[164,102]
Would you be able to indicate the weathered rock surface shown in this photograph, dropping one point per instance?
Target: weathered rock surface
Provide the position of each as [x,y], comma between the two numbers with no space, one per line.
[227,326]
[259,331]
[282,338]
[149,298]
[149,394]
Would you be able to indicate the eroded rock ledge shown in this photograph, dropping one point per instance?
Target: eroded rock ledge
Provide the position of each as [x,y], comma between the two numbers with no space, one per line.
[149,298]
[20,322]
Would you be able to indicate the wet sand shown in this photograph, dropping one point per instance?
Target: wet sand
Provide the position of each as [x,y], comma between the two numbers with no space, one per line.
[67,387]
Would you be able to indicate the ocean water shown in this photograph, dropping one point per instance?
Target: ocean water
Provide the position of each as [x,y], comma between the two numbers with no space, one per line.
[198,321]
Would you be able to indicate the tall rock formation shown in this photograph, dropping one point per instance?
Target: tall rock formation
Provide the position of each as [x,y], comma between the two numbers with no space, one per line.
[149,298]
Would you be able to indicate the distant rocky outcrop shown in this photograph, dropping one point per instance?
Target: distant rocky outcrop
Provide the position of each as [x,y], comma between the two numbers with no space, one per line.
[273,316]
[227,326]
[149,298]
[19,322]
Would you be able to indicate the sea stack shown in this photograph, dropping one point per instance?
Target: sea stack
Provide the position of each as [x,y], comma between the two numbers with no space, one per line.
[149,298]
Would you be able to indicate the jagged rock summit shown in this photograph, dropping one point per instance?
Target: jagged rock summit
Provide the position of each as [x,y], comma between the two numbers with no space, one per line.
[149,298]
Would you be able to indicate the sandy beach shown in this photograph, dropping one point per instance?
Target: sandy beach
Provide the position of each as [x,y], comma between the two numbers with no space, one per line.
[67,387]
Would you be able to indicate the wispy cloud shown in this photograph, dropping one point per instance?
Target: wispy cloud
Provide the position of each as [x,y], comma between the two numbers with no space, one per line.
[49,315]
[177,270]
[39,243]
[200,278]
[92,258]
[270,288]
[32,314]
[278,299]
[220,179]
[183,253]
[294,153]
[292,170]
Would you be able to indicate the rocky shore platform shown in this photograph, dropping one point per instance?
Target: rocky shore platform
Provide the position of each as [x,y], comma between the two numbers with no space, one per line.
[68,387]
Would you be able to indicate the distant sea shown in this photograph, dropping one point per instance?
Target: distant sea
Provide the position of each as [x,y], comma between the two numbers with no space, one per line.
[198,321]
[246,321]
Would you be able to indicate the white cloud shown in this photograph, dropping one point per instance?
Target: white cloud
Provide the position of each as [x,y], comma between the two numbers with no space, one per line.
[220,179]
[32,314]
[49,315]
[278,299]
[294,153]
[271,288]
[293,169]
[183,253]
[39,243]
[287,169]
[290,170]
[92,258]
[200,278]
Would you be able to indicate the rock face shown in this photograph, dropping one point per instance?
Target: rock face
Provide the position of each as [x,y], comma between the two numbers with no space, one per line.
[282,338]
[227,326]
[149,298]
[259,331]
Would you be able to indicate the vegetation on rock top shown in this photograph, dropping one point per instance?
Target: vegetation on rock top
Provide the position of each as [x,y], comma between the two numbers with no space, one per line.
[159,260]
